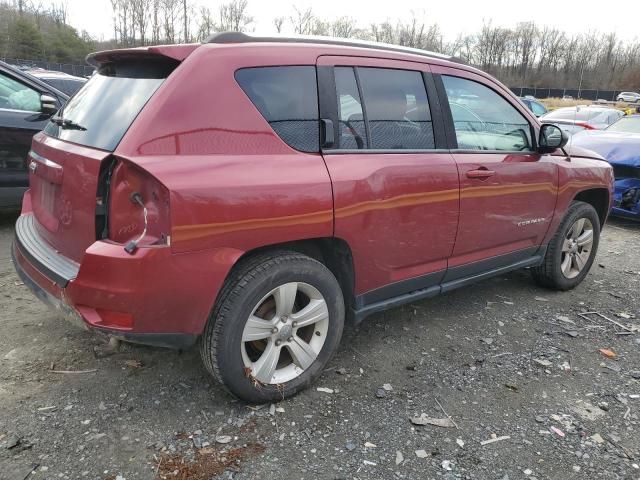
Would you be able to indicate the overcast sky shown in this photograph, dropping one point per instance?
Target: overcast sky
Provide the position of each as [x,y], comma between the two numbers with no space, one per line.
[454,17]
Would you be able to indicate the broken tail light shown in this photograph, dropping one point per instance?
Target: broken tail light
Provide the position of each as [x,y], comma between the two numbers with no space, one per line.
[138,208]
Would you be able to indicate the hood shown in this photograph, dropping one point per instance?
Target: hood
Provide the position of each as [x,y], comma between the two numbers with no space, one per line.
[616,147]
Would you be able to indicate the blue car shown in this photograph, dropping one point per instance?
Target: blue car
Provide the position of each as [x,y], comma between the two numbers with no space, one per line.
[620,145]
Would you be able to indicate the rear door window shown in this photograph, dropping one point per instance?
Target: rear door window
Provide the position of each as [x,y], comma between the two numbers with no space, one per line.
[396,109]
[287,97]
[483,119]
[101,112]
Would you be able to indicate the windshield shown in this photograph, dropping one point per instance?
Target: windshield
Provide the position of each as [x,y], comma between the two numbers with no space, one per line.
[580,115]
[626,124]
[103,109]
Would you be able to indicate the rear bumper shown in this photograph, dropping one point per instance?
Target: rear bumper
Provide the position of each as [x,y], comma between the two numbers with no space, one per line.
[154,297]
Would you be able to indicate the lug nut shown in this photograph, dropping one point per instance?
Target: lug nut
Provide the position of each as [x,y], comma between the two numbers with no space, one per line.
[278,342]
[294,324]
[290,339]
[274,330]
[283,318]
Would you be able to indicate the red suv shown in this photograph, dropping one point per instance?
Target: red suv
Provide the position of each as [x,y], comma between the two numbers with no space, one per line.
[253,193]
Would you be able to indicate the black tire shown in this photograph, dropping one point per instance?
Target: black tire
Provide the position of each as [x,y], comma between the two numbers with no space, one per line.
[247,284]
[549,273]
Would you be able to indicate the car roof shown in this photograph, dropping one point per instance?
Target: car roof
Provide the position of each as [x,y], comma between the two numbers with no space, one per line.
[240,37]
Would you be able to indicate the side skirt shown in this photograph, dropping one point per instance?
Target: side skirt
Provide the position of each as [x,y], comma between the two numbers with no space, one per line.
[366,309]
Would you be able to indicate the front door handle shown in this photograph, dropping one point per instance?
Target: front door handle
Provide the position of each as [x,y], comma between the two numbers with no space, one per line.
[481,173]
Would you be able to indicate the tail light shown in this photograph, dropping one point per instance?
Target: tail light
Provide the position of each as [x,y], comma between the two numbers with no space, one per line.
[138,208]
[585,125]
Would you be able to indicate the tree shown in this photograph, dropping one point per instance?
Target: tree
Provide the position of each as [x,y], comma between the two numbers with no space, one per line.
[24,40]
[278,22]
[233,16]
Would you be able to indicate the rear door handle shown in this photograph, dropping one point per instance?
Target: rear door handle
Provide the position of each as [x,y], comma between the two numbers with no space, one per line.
[480,173]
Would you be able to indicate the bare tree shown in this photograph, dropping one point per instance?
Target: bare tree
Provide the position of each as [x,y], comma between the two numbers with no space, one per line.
[140,10]
[207,25]
[233,16]
[303,21]
[278,22]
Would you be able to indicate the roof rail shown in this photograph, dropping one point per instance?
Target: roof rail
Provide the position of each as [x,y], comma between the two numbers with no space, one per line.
[239,37]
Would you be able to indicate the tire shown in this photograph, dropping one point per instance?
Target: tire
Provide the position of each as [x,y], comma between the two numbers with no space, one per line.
[262,288]
[559,272]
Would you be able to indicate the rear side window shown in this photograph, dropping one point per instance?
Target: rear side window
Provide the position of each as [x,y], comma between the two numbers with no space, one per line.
[287,97]
[396,109]
[483,119]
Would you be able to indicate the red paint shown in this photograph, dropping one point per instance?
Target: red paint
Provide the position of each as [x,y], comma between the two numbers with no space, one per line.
[225,184]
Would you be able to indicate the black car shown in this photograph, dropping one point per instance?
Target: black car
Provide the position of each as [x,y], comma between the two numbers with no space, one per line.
[61,81]
[26,104]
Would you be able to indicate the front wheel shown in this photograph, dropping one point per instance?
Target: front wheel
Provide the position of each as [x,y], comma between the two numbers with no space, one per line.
[572,250]
[276,324]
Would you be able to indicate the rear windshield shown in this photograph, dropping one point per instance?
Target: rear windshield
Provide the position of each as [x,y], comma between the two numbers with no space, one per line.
[581,115]
[105,107]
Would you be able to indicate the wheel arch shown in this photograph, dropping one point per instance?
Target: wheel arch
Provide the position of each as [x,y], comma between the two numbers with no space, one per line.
[333,252]
[599,199]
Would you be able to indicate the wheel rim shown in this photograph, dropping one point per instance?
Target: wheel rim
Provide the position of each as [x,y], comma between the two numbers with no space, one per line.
[285,333]
[577,248]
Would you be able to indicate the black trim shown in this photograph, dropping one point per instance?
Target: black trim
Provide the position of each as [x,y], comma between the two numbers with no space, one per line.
[382,150]
[400,288]
[437,118]
[471,269]
[365,117]
[405,291]
[360,314]
[447,117]
[492,267]
[328,99]
[176,341]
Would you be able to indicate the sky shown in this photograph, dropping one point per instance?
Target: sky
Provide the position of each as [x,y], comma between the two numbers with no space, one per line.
[455,17]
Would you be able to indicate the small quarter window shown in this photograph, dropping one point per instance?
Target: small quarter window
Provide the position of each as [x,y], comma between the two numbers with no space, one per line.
[352,133]
[287,97]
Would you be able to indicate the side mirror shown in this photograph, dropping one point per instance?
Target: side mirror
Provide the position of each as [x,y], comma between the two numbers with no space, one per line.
[48,104]
[551,138]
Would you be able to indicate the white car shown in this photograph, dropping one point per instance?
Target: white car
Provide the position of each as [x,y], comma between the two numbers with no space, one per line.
[629,97]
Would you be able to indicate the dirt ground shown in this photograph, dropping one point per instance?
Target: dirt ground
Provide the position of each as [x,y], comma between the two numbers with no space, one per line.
[507,361]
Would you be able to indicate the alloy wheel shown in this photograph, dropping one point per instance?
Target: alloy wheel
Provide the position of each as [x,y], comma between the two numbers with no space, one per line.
[285,333]
[576,248]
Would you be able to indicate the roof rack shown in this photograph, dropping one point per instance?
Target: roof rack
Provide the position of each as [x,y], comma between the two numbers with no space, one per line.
[239,37]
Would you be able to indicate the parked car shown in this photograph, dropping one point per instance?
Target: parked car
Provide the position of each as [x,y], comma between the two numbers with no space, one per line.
[582,117]
[26,104]
[620,145]
[255,192]
[534,105]
[63,82]
[629,97]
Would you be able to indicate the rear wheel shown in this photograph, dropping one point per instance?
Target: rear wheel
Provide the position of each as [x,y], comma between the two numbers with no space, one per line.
[572,250]
[275,326]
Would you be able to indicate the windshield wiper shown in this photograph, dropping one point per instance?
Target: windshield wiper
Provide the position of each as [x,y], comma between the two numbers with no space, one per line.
[66,123]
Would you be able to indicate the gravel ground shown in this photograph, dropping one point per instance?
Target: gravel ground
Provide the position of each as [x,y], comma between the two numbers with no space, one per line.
[506,360]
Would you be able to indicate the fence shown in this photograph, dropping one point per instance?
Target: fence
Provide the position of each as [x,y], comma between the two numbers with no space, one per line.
[587,94]
[77,70]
